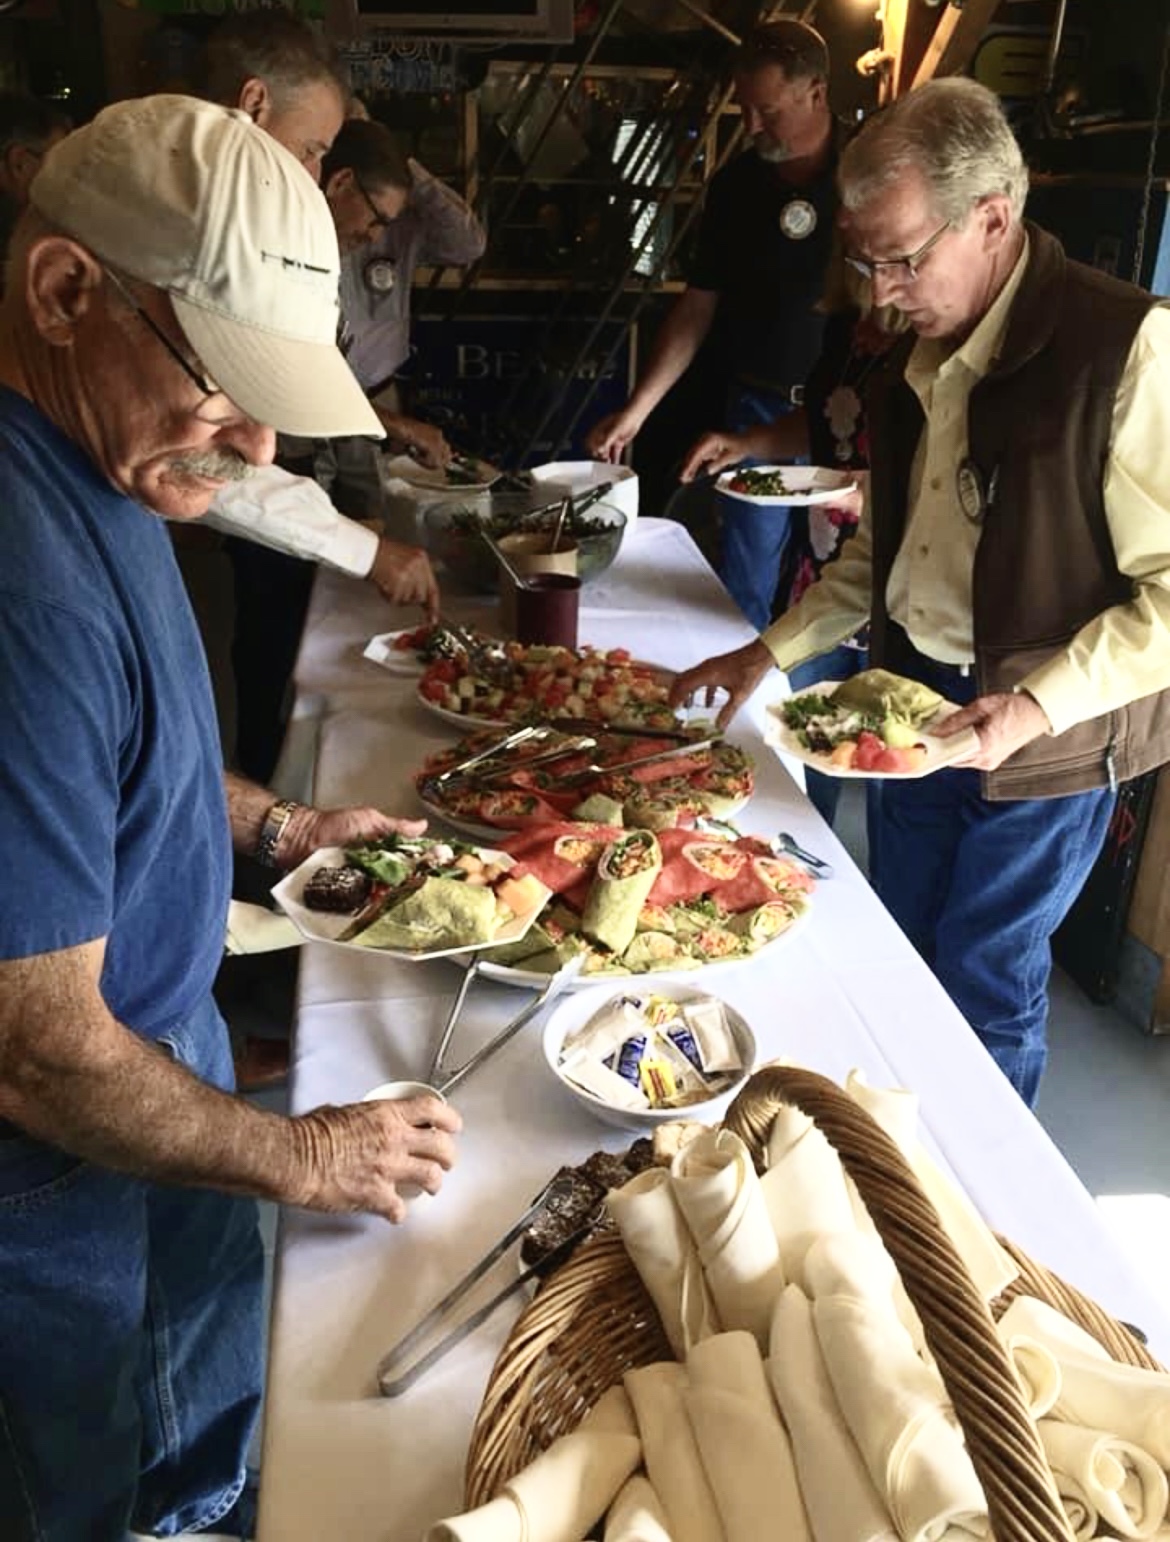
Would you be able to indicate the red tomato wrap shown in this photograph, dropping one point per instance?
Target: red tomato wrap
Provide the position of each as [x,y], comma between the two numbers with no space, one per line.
[561,855]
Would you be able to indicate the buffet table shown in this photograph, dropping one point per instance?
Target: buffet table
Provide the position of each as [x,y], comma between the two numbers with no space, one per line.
[843,990]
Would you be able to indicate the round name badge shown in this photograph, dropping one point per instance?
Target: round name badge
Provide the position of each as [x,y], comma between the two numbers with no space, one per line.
[798,219]
[380,276]
[972,491]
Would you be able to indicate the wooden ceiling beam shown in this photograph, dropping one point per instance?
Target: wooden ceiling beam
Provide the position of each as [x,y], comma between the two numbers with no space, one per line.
[956,37]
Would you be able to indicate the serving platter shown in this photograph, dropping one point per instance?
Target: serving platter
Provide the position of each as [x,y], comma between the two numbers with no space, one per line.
[804,486]
[534,979]
[939,752]
[322,926]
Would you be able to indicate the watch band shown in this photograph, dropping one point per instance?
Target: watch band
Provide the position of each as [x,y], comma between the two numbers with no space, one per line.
[275,823]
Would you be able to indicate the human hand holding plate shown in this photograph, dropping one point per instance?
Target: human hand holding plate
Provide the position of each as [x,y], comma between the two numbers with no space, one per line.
[1004,721]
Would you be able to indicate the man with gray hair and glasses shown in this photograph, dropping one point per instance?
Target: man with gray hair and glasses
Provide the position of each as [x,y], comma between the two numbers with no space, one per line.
[172,301]
[1013,554]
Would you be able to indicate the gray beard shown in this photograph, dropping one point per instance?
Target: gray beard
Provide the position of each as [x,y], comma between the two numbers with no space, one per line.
[771,152]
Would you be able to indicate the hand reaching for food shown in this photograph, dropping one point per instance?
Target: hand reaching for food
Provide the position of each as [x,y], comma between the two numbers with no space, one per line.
[713,453]
[355,1157]
[404,576]
[609,438]
[738,673]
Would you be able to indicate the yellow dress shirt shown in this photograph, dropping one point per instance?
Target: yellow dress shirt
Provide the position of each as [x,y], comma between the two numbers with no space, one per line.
[1120,656]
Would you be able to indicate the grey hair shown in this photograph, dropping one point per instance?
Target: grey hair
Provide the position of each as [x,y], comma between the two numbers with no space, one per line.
[954,133]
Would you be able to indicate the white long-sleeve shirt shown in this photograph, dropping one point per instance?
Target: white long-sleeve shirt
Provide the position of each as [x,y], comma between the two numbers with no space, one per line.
[292,514]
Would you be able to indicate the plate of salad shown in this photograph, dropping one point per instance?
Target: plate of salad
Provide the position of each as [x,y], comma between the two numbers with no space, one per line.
[800,485]
[511,683]
[412,897]
[875,725]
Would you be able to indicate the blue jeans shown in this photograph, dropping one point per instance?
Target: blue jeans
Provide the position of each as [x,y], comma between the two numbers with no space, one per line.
[130,1339]
[840,663]
[980,887]
[754,537]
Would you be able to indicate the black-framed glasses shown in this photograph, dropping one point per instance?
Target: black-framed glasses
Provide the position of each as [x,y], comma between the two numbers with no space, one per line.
[207,387]
[870,267]
[380,220]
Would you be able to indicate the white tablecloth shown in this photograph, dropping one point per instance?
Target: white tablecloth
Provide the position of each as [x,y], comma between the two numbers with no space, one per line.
[844,990]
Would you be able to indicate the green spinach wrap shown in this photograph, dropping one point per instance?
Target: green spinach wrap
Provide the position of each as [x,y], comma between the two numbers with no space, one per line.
[625,875]
[440,913]
[760,925]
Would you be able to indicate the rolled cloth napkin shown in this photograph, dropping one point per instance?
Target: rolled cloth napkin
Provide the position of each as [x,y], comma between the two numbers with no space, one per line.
[671,1456]
[560,1495]
[719,1195]
[805,1189]
[666,1257]
[1036,1367]
[895,1405]
[743,1446]
[839,1495]
[1123,1483]
[991,1268]
[1131,1403]
[1078,1512]
[636,1515]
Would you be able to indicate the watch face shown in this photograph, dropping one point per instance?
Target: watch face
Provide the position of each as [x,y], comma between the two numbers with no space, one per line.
[380,276]
[798,219]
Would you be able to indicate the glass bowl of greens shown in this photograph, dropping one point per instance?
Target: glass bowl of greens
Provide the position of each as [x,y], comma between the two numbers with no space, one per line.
[452,535]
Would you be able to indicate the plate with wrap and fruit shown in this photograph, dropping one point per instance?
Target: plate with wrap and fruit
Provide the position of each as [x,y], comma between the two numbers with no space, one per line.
[877,724]
[639,902]
[412,897]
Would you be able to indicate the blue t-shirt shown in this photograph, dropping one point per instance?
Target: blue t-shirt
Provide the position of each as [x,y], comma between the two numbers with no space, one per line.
[112,814]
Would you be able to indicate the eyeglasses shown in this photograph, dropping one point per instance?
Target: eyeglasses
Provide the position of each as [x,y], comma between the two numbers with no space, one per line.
[206,386]
[379,220]
[871,267]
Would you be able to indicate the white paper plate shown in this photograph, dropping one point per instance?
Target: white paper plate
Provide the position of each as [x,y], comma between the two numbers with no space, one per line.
[399,661]
[809,484]
[939,752]
[404,468]
[516,974]
[321,926]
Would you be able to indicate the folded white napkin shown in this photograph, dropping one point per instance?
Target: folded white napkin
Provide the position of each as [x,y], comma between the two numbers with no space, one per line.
[664,1253]
[719,1195]
[253,929]
[804,1188]
[670,1454]
[1123,1483]
[561,1494]
[636,1515]
[896,1110]
[896,1406]
[1131,1403]
[742,1443]
[839,1495]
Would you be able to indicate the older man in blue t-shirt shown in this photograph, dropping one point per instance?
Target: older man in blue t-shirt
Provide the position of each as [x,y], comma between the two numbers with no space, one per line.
[172,301]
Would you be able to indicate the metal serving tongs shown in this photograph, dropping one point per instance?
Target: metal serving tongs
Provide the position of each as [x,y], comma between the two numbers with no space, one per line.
[501,747]
[558,982]
[555,1191]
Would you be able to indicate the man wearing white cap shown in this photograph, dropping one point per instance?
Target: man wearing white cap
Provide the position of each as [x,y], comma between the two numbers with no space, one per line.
[171,302]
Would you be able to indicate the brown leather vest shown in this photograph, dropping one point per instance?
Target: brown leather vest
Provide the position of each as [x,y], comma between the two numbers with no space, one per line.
[1038,426]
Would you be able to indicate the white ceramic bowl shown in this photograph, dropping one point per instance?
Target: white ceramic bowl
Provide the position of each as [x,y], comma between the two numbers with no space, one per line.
[581,476]
[579,1008]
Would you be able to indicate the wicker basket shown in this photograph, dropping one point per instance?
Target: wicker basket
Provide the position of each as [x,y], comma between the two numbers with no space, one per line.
[592,1321]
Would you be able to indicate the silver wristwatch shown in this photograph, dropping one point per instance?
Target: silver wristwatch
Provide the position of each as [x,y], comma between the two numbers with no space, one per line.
[275,824]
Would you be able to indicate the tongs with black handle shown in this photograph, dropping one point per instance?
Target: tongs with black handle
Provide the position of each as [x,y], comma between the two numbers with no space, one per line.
[554,1193]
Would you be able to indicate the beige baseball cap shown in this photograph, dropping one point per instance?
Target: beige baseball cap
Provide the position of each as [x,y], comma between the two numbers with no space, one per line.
[196,200]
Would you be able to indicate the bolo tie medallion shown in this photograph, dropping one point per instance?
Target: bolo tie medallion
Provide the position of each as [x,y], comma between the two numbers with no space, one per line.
[798,219]
[379,275]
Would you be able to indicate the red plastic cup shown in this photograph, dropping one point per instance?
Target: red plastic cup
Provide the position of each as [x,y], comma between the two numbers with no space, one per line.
[546,610]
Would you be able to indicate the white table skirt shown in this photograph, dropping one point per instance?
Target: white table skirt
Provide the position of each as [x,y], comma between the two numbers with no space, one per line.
[844,990]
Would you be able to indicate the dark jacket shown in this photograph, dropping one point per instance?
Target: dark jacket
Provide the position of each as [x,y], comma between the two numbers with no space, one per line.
[1039,425]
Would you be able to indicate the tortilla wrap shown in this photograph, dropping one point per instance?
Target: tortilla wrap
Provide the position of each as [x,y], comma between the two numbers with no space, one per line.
[888,695]
[760,925]
[657,950]
[441,913]
[625,875]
